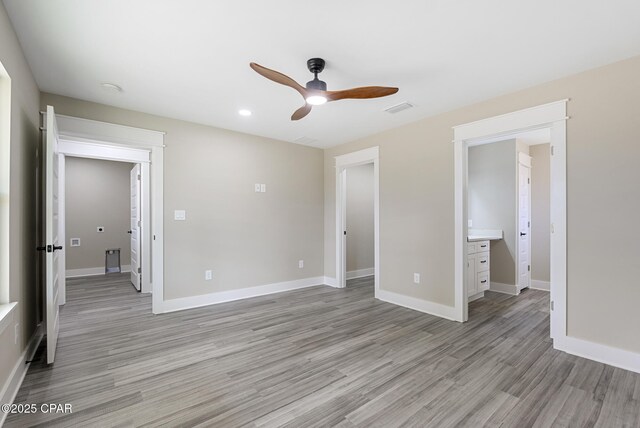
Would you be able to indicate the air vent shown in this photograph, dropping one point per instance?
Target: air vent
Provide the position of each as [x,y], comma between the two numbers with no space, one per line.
[398,107]
[305,141]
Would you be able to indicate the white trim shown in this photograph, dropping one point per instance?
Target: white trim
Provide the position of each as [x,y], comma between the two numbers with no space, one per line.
[361,157]
[420,305]
[5,178]
[499,287]
[62,227]
[102,151]
[540,285]
[94,271]
[605,354]
[480,295]
[360,273]
[6,315]
[242,293]
[553,116]
[13,383]
[101,140]
[331,282]
[79,129]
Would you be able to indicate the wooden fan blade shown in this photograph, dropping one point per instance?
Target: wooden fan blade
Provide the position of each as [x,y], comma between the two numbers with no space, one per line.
[278,78]
[361,93]
[301,112]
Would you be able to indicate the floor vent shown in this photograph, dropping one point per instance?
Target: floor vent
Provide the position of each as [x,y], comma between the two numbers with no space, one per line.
[398,107]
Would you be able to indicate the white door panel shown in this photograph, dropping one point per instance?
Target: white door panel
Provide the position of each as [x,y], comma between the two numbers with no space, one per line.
[135,227]
[52,214]
[524,226]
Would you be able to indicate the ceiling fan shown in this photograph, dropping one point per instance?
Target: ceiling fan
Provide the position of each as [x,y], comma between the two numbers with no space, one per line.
[315,93]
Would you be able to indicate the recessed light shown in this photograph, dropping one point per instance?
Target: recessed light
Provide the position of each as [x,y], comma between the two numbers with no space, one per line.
[244,112]
[111,87]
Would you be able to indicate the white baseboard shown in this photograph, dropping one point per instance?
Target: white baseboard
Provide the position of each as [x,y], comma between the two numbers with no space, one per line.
[605,354]
[499,287]
[12,385]
[75,273]
[172,305]
[540,285]
[359,273]
[331,282]
[480,295]
[425,306]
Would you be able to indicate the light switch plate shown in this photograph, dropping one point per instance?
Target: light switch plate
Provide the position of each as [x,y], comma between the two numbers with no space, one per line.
[469,223]
[257,187]
[263,188]
[180,215]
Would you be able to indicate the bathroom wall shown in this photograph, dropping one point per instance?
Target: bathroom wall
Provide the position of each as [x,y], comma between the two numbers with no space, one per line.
[360,230]
[540,212]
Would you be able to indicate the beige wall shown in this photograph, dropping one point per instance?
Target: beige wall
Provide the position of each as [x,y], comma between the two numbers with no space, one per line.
[417,208]
[492,170]
[22,236]
[245,238]
[360,232]
[540,211]
[97,194]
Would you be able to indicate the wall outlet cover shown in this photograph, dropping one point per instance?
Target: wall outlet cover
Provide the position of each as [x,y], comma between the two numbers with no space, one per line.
[257,187]
[416,278]
[208,275]
[300,264]
[263,188]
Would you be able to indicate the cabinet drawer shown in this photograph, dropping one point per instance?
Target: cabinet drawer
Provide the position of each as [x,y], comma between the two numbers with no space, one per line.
[482,246]
[472,247]
[483,281]
[482,262]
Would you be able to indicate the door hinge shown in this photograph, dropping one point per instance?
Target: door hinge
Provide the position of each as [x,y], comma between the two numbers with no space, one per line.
[139,223]
[528,268]
[345,233]
[528,181]
[139,177]
[552,305]
[553,229]
[528,224]
[139,270]
[551,150]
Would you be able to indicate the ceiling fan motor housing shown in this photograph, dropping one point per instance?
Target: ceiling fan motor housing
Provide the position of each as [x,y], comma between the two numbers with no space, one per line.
[316,65]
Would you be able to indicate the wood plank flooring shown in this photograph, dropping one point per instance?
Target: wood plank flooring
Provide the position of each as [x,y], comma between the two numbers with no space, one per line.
[317,357]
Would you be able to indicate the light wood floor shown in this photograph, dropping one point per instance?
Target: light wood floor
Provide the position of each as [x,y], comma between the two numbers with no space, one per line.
[317,357]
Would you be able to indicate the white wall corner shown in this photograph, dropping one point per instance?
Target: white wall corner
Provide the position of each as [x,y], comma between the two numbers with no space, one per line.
[605,354]
[12,385]
[431,308]
[540,285]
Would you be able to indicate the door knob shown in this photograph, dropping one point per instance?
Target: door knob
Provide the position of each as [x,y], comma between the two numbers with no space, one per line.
[523,234]
[44,248]
[129,232]
[57,247]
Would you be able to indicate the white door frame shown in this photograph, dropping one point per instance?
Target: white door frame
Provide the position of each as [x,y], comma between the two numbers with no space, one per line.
[100,140]
[524,160]
[343,162]
[553,116]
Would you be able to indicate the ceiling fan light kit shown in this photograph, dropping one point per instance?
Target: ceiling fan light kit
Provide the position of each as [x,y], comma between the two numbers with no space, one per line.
[315,91]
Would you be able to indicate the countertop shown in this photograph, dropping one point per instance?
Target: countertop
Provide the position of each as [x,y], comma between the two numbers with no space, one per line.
[484,235]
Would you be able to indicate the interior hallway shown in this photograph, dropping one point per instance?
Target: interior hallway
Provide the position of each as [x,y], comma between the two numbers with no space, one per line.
[317,356]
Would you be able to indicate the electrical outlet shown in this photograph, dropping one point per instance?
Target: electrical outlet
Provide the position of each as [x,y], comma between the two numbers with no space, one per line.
[257,187]
[100,229]
[263,188]
[16,333]
[208,275]
[416,278]
[469,223]
[300,264]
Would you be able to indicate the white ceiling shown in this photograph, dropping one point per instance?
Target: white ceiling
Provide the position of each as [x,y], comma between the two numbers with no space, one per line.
[189,59]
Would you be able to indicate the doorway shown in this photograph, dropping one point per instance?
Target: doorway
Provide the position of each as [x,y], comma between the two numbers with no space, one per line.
[102,207]
[550,116]
[359,219]
[368,160]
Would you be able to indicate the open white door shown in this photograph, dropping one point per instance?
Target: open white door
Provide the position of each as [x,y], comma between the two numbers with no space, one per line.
[52,213]
[135,226]
[524,222]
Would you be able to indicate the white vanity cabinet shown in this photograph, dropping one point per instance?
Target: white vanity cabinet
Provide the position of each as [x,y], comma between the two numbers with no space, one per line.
[477,268]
